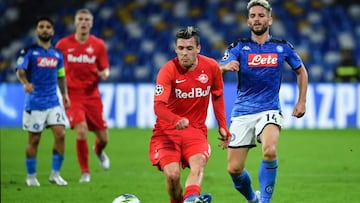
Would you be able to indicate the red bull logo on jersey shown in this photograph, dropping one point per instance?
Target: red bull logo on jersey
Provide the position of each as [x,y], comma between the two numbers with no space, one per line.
[82,58]
[262,60]
[47,62]
[193,93]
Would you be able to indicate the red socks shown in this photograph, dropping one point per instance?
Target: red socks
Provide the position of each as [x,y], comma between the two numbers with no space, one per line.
[98,147]
[176,201]
[82,155]
[191,190]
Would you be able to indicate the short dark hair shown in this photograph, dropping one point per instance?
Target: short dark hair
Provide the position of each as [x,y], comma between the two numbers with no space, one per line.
[187,33]
[42,18]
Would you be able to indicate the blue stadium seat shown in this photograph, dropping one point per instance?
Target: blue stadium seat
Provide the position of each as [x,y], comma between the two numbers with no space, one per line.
[140,34]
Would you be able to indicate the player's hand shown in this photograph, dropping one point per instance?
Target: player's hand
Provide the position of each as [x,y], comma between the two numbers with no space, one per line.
[231,66]
[299,110]
[182,123]
[28,87]
[66,101]
[225,137]
[104,74]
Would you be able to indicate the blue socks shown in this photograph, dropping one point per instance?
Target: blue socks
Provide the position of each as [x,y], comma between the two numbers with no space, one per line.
[267,177]
[57,160]
[30,164]
[242,183]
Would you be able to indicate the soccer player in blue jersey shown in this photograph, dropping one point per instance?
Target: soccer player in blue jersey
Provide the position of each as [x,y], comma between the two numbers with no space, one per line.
[40,68]
[256,114]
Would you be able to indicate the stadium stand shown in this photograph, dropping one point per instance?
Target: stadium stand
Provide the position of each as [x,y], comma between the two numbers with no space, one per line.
[139,33]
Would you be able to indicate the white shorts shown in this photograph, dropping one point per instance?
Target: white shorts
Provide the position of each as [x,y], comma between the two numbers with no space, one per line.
[35,120]
[246,129]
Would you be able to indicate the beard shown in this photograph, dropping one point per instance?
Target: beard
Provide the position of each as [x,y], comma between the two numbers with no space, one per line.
[259,32]
[45,38]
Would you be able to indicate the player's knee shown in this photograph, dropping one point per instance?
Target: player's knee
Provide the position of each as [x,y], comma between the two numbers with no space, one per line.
[173,175]
[59,134]
[34,141]
[233,170]
[269,153]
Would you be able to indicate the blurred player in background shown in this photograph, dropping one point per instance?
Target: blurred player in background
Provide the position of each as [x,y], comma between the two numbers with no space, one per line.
[256,114]
[347,69]
[40,68]
[183,88]
[86,61]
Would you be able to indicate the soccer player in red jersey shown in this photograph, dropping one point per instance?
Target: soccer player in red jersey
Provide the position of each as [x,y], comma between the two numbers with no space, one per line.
[86,61]
[183,88]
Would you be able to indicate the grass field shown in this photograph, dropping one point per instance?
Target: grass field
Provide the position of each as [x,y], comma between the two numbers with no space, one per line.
[315,166]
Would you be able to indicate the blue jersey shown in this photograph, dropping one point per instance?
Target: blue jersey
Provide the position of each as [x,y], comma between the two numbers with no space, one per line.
[41,66]
[259,77]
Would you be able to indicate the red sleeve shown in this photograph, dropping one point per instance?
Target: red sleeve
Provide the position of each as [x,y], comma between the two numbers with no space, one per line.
[103,56]
[164,113]
[162,94]
[217,96]
[58,45]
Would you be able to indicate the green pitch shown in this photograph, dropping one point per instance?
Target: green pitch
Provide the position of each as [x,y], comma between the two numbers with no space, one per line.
[315,166]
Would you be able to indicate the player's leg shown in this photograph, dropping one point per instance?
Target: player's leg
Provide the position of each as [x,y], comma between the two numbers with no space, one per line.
[97,124]
[100,143]
[194,180]
[268,129]
[82,150]
[31,158]
[77,120]
[242,140]
[172,181]
[33,123]
[58,155]
[56,121]
[239,175]
[164,153]
[269,164]
[196,152]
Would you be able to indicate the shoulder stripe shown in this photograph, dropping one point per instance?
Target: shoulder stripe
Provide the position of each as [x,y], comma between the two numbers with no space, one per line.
[243,40]
[282,41]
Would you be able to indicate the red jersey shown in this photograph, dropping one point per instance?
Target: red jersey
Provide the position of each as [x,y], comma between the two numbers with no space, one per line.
[82,62]
[187,93]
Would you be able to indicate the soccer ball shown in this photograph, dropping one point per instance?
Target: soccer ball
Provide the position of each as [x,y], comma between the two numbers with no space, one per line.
[126,198]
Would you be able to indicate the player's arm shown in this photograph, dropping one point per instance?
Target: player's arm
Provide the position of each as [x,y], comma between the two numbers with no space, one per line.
[233,65]
[229,61]
[217,96]
[163,112]
[104,66]
[302,81]
[21,76]
[161,98]
[63,87]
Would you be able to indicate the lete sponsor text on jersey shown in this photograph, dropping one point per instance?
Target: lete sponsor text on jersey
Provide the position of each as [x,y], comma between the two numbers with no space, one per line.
[47,62]
[263,60]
